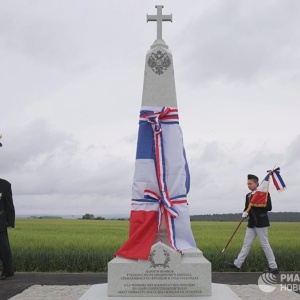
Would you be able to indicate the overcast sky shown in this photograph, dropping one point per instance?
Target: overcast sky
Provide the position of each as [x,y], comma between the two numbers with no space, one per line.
[71,76]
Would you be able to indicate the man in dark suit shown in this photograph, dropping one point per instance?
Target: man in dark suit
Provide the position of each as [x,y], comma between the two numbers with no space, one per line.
[7,219]
[258,224]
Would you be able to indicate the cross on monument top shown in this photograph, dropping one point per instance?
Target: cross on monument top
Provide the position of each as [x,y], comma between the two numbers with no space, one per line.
[159,18]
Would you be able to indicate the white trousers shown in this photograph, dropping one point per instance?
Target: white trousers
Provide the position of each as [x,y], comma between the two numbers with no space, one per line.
[251,234]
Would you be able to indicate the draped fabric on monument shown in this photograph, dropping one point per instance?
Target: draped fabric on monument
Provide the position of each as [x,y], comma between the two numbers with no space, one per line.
[160,185]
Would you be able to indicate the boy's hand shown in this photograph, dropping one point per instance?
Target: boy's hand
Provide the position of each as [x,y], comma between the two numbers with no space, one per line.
[244,215]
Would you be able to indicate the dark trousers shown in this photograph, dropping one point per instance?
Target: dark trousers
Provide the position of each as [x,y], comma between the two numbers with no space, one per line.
[5,253]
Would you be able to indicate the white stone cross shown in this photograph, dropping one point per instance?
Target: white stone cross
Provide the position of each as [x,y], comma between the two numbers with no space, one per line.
[159,18]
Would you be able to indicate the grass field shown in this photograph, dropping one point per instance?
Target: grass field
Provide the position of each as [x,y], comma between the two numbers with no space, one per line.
[48,245]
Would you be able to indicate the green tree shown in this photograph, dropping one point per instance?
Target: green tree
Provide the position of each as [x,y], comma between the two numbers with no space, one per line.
[88,217]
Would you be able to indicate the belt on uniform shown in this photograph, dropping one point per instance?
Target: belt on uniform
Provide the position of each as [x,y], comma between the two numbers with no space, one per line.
[262,215]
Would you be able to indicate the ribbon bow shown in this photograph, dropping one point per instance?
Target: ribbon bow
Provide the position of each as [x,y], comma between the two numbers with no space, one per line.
[277,179]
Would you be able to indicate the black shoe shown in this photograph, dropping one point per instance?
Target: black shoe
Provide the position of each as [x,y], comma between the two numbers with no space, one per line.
[273,271]
[6,275]
[232,265]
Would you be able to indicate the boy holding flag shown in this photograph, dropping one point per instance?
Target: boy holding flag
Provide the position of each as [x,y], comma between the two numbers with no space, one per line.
[257,204]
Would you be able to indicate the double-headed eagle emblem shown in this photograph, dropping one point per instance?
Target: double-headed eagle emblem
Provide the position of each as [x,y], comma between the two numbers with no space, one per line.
[159,62]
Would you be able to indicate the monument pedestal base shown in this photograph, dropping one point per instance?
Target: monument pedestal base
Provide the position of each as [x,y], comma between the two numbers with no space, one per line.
[166,273]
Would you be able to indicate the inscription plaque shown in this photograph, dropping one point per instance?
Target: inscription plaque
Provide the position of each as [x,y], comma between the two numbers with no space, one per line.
[166,273]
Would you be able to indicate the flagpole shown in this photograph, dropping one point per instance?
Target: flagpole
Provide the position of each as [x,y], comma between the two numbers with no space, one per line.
[233,233]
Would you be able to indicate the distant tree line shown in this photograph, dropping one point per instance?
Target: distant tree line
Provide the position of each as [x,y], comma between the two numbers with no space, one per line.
[91,217]
[273,216]
[45,217]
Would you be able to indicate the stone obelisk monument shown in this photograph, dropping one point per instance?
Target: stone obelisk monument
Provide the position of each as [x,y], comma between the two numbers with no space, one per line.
[160,257]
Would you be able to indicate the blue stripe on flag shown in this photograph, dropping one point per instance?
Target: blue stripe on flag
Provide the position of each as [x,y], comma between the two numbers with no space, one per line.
[281,181]
[187,173]
[277,172]
[267,177]
[145,143]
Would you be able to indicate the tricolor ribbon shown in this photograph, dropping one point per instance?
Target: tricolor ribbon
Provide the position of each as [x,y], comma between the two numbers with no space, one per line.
[152,197]
[277,180]
[148,194]
[166,115]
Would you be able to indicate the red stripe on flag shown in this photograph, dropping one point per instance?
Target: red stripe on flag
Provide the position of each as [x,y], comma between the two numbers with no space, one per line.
[142,231]
[275,182]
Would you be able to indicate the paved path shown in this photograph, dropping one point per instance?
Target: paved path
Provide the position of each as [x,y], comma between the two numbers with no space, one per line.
[69,286]
[52,292]
[21,281]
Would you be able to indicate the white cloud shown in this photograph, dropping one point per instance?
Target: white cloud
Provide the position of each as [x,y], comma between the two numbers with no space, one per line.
[241,41]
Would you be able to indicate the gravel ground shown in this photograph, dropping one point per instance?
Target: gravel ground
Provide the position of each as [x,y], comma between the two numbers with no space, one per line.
[252,291]
[50,292]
